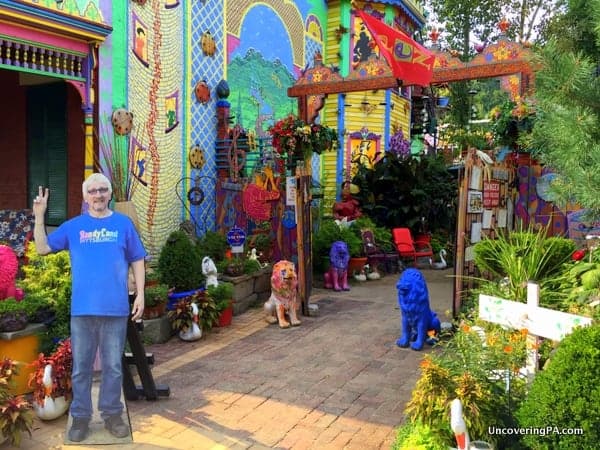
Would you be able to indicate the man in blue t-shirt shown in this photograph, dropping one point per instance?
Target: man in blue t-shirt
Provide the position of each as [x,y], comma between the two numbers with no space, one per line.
[102,244]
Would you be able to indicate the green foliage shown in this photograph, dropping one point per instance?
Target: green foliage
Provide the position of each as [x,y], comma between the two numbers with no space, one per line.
[156,294]
[180,263]
[330,232]
[566,394]
[522,256]
[400,192]
[414,435]
[208,312]
[566,137]
[462,369]
[16,415]
[12,315]
[181,316]
[213,245]
[47,282]
[222,294]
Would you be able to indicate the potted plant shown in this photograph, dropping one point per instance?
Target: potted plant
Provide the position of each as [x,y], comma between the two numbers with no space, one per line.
[16,415]
[51,382]
[152,277]
[222,295]
[180,266]
[184,319]
[156,298]
[13,316]
[118,162]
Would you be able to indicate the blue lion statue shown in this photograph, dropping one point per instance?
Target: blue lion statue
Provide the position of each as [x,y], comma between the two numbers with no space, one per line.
[417,317]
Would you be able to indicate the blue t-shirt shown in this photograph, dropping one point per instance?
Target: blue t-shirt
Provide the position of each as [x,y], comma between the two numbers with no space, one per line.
[100,250]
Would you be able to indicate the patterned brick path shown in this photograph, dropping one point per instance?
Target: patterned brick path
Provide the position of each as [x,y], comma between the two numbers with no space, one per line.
[336,382]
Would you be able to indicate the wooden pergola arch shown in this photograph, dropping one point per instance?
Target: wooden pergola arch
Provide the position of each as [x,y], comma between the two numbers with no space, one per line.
[499,59]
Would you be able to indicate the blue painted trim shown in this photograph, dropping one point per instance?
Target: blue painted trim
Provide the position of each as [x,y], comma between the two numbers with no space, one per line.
[388,119]
[342,140]
[58,17]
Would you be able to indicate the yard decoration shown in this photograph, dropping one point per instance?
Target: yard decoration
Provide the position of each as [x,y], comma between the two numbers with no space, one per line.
[336,277]
[51,382]
[9,265]
[284,295]
[296,138]
[418,320]
[209,270]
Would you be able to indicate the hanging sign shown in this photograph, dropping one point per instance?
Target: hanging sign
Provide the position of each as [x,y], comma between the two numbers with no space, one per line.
[491,194]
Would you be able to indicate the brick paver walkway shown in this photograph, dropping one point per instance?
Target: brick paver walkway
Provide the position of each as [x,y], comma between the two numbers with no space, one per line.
[338,381]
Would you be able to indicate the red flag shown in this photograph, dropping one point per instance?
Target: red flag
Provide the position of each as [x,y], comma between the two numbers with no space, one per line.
[410,61]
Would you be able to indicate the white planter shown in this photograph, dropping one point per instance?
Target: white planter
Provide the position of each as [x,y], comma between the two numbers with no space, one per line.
[52,408]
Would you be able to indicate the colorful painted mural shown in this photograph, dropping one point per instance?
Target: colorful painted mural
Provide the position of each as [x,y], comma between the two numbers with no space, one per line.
[162,61]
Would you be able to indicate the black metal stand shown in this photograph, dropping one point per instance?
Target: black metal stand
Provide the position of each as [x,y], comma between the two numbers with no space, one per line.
[142,361]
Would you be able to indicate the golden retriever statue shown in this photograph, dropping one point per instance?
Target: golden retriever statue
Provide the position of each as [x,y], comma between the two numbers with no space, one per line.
[284,295]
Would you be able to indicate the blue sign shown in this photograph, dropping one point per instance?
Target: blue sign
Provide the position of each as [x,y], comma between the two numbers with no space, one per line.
[236,236]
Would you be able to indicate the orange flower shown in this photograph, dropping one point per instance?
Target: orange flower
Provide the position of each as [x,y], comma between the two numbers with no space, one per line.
[508,348]
[466,328]
[425,363]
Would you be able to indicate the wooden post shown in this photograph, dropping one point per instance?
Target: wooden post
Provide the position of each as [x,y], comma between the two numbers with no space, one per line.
[538,321]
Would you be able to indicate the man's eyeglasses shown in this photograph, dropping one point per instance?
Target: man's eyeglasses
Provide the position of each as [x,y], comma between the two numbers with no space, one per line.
[102,190]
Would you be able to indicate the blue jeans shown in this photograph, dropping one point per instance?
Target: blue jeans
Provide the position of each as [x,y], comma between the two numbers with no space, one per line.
[108,334]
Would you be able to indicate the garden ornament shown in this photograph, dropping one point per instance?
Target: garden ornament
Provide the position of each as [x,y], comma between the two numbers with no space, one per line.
[9,266]
[419,323]
[336,277]
[458,425]
[442,264]
[209,270]
[122,121]
[194,332]
[284,295]
[254,257]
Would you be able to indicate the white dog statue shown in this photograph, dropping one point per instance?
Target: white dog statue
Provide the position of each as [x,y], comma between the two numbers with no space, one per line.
[210,271]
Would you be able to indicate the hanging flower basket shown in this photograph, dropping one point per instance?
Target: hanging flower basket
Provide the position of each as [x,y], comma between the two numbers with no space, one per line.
[298,140]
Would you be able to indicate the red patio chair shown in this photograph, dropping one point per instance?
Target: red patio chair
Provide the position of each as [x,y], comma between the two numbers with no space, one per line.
[408,248]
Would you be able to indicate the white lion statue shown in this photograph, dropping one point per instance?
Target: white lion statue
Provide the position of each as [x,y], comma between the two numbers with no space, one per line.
[209,269]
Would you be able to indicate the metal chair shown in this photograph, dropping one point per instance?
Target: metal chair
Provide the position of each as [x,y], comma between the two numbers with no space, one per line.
[375,255]
[408,248]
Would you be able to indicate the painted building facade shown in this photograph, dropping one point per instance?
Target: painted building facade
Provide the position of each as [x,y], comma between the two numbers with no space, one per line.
[67,66]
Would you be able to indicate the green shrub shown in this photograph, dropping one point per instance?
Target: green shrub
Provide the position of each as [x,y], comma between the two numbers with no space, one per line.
[221,294]
[328,233]
[47,285]
[566,394]
[417,436]
[180,263]
[522,256]
[213,245]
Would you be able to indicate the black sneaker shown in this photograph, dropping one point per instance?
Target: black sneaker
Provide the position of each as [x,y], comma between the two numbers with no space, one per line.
[116,426]
[79,429]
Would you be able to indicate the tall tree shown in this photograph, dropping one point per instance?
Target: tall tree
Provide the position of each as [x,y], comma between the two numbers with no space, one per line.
[566,136]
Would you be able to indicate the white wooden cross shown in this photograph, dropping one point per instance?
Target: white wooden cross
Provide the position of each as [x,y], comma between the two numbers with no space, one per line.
[539,322]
